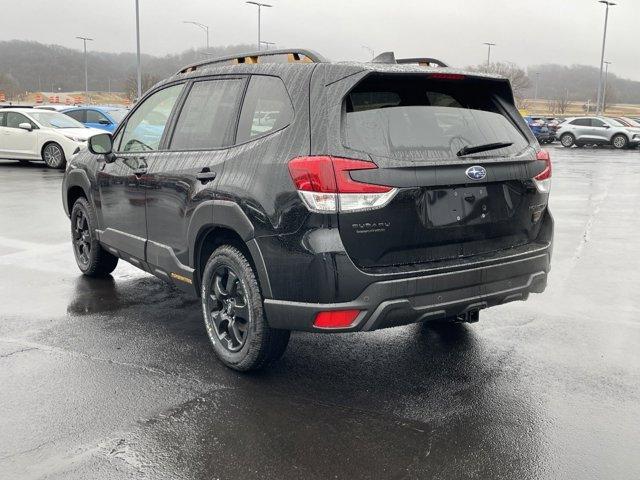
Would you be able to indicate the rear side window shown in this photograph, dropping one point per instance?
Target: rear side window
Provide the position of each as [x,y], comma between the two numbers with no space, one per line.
[266,109]
[581,122]
[3,117]
[78,115]
[415,118]
[208,118]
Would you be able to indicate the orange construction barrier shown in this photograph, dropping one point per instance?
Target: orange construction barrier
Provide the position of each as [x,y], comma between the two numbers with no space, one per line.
[38,98]
[3,98]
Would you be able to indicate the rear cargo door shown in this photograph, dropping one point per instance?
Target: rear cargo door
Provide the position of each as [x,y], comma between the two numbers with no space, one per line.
[459,158]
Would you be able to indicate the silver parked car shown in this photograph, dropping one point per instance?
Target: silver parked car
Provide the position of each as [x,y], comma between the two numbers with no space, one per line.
[581,131]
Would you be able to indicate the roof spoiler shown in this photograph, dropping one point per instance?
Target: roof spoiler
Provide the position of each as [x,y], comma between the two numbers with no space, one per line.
[389,57]
[295,55]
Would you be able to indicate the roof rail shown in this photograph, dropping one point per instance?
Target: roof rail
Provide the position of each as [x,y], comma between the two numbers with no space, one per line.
[389,57]
[294,55]
[423,61]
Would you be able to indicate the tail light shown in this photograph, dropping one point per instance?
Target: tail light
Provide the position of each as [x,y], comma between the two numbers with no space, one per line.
[325,185]
[543,179]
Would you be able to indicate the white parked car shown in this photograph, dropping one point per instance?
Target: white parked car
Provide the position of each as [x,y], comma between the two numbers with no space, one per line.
[35,134]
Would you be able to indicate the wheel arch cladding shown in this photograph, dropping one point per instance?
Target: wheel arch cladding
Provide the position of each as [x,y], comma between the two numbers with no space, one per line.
[217,223]
[78,185]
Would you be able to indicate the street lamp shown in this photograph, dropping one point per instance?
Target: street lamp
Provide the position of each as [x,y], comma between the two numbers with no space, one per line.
[370,50]
[138,67]
[264,42]
[604,91]
[604,41]
[259,5]
[202,26]
[86,72]
[537,84]
[489,44]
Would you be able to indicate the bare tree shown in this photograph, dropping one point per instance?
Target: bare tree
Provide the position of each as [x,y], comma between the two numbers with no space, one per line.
[9,86]
[516,75]
[551,106]
[562,103]
[148,81]
[611,97]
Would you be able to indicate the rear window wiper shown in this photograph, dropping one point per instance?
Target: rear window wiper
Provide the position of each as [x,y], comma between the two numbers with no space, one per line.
[469,149]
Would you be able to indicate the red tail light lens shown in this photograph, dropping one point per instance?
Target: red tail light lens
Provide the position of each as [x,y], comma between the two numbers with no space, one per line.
[543,179]
[325,184]
[546,173]
[336,319]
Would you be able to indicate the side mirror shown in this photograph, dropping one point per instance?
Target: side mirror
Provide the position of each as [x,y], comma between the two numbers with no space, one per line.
[607,126]
[101,144]
[104,121]
[26,126]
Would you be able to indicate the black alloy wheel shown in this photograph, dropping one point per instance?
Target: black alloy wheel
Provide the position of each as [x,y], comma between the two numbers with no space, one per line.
[81,237]
[230,315]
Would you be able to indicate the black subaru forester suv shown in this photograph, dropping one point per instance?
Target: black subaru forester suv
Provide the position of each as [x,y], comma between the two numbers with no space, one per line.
[292,193]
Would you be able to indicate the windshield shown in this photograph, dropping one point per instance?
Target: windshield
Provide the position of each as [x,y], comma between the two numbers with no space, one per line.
[118,114]
[616,123]
[50,119]
[417,119]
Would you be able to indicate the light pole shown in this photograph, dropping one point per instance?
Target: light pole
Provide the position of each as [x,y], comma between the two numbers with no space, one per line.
[86,71]
[202,26]
[489,44]
[604,42]
[537,84]
[370,50]
[259,5]
[604,90]
[264,42]
[138,67]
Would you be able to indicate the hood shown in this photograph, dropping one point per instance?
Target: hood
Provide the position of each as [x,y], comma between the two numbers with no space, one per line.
[82,133]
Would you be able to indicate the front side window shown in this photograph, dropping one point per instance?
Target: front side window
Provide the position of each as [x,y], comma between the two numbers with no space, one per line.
[597,123]
[416,119]
[146,125]
[14,119]
[267,108]
[209,115]
[93,116]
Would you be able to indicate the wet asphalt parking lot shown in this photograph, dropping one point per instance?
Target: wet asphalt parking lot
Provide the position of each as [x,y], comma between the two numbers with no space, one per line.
[115,378]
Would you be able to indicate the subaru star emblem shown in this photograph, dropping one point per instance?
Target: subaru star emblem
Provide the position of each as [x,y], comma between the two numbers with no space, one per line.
[476,172]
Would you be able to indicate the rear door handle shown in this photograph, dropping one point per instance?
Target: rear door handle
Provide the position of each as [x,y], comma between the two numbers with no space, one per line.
[206,175]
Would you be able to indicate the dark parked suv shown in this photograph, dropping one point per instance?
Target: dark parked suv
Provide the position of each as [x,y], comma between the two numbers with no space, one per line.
[318,196]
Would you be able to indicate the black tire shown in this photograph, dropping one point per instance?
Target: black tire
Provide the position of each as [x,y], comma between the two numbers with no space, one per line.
[53,155]
[91,258]
[567,140]
[620,141]
[234,315]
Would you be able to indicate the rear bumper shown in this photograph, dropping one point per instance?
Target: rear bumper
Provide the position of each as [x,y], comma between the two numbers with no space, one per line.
[391,303]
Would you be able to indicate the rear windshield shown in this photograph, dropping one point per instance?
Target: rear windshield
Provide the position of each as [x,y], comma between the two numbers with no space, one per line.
[415,118]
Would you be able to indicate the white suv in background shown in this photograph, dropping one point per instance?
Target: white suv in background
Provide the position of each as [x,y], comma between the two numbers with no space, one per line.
[35,134]
[581,131]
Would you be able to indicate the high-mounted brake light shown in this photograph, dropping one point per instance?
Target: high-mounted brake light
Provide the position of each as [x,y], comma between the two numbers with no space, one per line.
[447,76]
[336,319]
[325,185]
[543,179]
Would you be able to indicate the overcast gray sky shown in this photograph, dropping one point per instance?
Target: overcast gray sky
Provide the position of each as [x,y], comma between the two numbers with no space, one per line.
[527,31]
